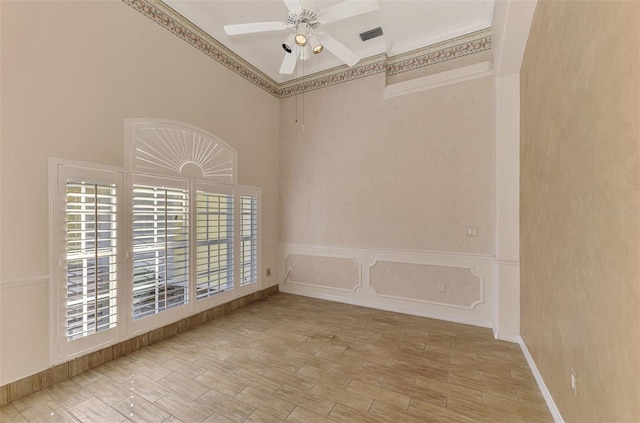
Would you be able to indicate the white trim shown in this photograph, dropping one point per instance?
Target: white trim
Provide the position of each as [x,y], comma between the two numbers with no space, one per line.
[387,307]
[57,162]
[162,147]
[508,262]
[555,412]
[416,300]
[468,27]
[511,24]
[504,336]
[15,283]
[342,249]
[313,285]
[441,79]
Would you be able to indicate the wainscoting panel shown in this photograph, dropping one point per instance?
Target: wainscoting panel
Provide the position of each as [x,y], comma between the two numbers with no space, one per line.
[447,286]
[325,272]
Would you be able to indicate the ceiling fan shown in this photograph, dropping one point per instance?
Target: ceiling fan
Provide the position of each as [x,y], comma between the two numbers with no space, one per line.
[305,38]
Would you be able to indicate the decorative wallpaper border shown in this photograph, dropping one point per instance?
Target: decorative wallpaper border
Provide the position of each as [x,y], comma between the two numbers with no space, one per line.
[454,48]
[447,50]
[366,67]
[172,21]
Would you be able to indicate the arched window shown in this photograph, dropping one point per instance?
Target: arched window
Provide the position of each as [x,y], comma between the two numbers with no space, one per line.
[140,247]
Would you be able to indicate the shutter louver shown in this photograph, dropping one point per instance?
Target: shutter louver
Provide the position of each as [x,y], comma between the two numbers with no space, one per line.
[214,243]
[91,255]
[249,242]
[160,249]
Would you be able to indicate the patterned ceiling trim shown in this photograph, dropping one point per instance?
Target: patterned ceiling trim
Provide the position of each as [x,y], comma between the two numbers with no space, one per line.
[465,45]
[447,50]
[169,19]
[366,67]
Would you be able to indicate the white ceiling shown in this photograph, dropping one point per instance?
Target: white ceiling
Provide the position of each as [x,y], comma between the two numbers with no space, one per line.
[407,25]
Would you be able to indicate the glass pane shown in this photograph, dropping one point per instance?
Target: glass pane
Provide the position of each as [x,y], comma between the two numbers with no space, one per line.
[214,234]
[249,244]
[91,245]
[160,249]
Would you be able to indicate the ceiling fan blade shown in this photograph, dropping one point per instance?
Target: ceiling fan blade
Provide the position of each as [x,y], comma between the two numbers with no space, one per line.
[249,28]
[347,9]
[289,61]
[339,50]
[293,5]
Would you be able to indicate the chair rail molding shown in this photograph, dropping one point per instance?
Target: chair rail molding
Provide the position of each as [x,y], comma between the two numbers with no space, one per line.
[32,280]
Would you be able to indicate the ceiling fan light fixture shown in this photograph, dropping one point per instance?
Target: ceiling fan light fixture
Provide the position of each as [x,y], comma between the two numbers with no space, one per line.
[287,45]
[304,40]
[317,47]
[301,39]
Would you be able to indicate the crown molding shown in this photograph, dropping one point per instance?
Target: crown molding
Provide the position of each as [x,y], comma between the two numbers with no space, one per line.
[454,48]
[444,35]
[172,21]
[338,75]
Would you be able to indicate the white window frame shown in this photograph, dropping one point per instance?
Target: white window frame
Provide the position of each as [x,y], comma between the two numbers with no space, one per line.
[254,192]
[60,349]
[229,294]
[157,152]
[168,316]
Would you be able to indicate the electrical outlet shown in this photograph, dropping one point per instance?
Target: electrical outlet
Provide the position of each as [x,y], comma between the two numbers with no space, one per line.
[574,382]
[472,231]
[442,287]
[268,271]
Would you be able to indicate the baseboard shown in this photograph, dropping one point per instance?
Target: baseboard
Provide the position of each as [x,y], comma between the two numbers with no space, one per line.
[422,292]
[555,413]
[506,336]
[387,307]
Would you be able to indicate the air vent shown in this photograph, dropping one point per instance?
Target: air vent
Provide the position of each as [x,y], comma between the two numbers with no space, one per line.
[372,33]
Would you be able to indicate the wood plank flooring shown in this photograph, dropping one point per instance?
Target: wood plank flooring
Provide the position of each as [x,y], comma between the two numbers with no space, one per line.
[297,359]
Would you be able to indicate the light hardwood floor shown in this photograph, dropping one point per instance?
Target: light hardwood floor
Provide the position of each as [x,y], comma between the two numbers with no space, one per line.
[297,359]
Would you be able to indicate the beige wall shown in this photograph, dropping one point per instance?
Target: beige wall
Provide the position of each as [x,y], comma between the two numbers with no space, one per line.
[580,156]
[71,72]
[408,173]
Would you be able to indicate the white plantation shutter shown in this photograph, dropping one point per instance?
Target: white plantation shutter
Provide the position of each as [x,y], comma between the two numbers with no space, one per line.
[91,257]
[214,243]
[249,239]
[133,249]
[160,249]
